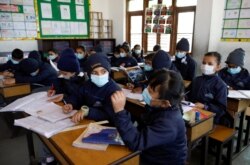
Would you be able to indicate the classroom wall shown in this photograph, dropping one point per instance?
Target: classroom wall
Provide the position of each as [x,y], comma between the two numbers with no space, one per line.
[215,33]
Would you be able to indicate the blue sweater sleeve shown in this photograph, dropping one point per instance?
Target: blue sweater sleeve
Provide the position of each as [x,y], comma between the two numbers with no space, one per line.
[158,133]
[21,78]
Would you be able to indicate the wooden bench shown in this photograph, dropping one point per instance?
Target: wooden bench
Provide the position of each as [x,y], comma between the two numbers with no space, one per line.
[222,136]
[246,141]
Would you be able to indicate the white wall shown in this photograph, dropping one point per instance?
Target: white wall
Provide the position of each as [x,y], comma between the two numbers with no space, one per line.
[25,45]
[214,41]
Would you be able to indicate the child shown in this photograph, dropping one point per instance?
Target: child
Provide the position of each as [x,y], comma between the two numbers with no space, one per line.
[70,83]
[162,135]
[53,55]
[137,53]
[12,64]
[82,56]
[96,93]
[31,72]
[208,91]
[234,75]
[36,55]
[156,48]
[162,60]
[116,55]
[148,69]
[183,61]
[125,59]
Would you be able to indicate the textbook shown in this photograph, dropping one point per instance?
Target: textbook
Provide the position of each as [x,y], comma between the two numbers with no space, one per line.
[43,127]
[98,137]
[135,74]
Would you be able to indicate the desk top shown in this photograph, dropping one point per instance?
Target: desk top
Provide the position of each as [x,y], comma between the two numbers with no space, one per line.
[63,142]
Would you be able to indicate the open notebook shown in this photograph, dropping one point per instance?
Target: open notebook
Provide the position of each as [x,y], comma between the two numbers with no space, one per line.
[43,127]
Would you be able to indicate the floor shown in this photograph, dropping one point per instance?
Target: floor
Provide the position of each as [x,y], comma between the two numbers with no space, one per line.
[13,151]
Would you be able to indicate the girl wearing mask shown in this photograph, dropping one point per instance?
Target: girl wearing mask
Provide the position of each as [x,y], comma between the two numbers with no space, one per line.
[137,53]
[53,56]
[208,91]
[82,56]
[125,59]
[94,97]
[234,75]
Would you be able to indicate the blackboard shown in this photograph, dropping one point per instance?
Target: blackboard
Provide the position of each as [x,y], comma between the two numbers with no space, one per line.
[62,18]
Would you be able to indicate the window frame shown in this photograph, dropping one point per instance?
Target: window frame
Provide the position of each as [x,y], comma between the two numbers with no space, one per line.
[173,35]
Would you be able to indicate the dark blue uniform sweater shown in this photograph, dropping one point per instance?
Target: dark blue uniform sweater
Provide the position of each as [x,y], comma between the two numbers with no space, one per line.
[237,81]
[211,91]
[46,76]
[186,66]
[129,61]
[98,99]
[162,137]
[9,66]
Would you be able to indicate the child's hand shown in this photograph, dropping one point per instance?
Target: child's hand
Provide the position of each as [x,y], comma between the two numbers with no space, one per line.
[123,64]
[51,92]
[199,105]
[8,74]
[78,116]
[67,108]
[9,81]
[137,90]
[118,100]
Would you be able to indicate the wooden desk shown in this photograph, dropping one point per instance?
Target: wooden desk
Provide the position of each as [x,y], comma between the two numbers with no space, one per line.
[195,131]
[186,83]
[14,90]
[118,75]
[235,107]
[61,147]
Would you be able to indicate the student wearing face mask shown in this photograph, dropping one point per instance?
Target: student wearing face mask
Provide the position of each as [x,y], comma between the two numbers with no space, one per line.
[116,55]
[53,56]
[12,65]
[161,136]
[82,56]
[234,75]
[31,72]
[94,99]
[183,61]
[137,53]
[125,59]
[70,82]
[209,91]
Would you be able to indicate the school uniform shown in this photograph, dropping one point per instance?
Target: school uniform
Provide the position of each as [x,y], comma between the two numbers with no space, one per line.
[9,66]
[161,136]
[236,81]
[128,61]
[82,63]
[211,91]
[46,75]
[139,57]
[186,66]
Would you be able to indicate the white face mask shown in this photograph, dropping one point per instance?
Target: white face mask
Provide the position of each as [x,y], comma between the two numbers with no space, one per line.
[122,54]
[100,80]
[207,69]
[52,57]
[79,56]
[180,54]
[137,51]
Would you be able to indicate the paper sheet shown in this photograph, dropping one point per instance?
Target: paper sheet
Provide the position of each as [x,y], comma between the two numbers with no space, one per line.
[235,94]
[6,25]
[30,17]
[19,25]
[65,11]
[46,27]
[245,93]
[74,28]
[29,9]
[46,10]
[79,2]
[43,127]
[28,2]
[83,28]
[7,33]
[5,17]
[31,33]
[80,14]
[30,25]
[128,93]
[20,33]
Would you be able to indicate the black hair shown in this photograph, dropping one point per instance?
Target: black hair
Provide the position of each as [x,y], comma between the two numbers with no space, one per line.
[171,85]
[117,49]
[156,48]
[17,54]
[136,46]
[126,48]
[53,50]
[81,47]
[149,57]
[214,54]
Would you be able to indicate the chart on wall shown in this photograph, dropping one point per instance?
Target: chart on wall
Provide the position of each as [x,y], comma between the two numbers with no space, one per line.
[63,18]
[236,26]
[17,19]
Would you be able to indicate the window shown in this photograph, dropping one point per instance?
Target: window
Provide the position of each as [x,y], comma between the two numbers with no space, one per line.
[185,26]
[135,30]
[182,24]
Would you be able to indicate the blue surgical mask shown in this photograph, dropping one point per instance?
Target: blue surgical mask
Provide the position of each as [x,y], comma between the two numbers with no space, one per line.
[34,73]
[180,54]
[148,67]
[234,70]
[14,61]
[100,80]
[52,57]
[79,56]
[137,51]
[122,54]
[146,96]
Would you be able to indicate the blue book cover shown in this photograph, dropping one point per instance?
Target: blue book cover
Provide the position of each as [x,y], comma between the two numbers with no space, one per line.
[105,136]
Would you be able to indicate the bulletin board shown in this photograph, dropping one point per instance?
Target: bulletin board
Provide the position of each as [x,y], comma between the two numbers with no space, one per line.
[63,18]
[158,19]
[17,20]
[236,26]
